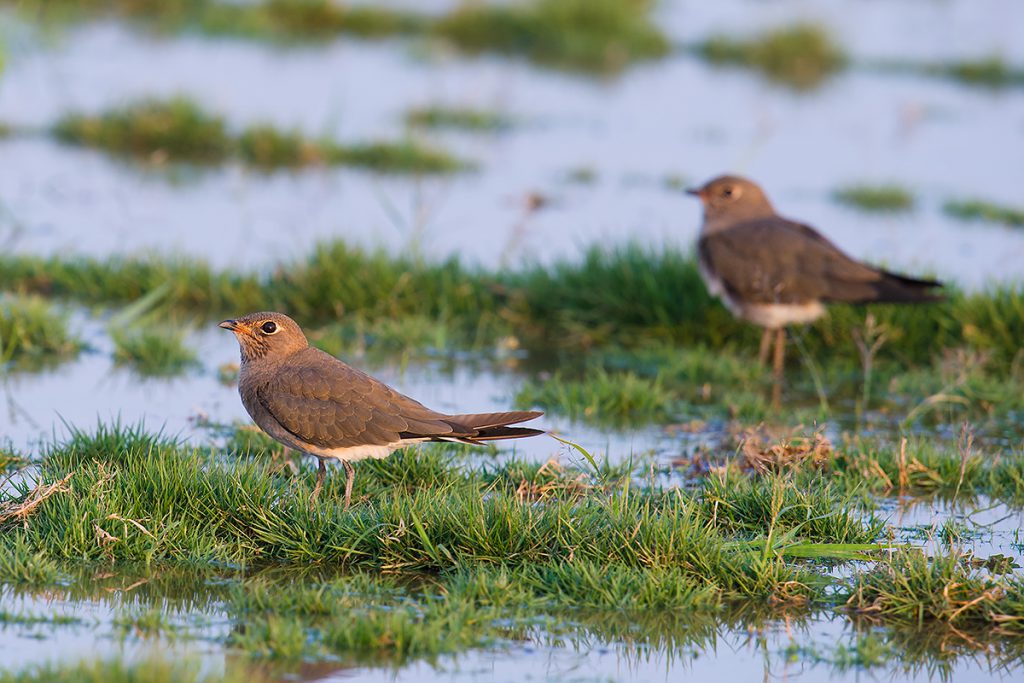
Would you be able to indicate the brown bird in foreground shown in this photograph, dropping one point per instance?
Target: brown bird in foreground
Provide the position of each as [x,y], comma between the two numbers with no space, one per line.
[775,272]
[312,402]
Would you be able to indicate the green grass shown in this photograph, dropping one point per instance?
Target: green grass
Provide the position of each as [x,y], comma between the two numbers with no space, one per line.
[265,147]
[179,130]
[286,21]
[628,297]
[992,72]
[401,157]
[978,209]
[441,554]
[33,333]
[597,36]
[463,118]
[415,511]
[882,198]
[619,398]
[987,72]
[586,35]
[802,56]
[158,130]
[915,589]
[303,20]
[153,351]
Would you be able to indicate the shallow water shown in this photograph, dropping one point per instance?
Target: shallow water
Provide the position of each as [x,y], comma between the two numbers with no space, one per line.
[676,117]
[41,407]
[806,649]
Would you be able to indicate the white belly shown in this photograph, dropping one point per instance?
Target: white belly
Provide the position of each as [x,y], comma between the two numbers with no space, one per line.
[353,453]
[771,316]
[774,316]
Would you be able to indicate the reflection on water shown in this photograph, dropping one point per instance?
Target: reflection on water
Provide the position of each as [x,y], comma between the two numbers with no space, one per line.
[653,647]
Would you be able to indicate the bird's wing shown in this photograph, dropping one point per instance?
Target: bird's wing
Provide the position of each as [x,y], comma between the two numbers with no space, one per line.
[329,404]
[773,260]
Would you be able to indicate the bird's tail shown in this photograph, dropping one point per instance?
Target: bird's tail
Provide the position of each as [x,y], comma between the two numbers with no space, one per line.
[492,426]
[898,289]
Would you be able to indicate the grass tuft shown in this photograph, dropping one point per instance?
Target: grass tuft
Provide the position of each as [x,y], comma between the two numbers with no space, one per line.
[912,588]
[153,351]
[802,56]
[179,130]
[267,147]
[157,130]
[586,35]
[977,209]
[883,198]
[32,333]
[407,156]
[457,117]
[621,398]
[992,72]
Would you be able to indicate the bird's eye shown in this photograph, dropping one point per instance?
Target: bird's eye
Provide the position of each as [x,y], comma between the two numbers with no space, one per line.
[727,192]
[269,327]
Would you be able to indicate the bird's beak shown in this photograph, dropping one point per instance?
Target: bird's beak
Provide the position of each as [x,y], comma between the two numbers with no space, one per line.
[695,191]
[229,325]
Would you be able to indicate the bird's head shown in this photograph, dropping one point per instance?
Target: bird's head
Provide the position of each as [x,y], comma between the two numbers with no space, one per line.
[732,199]
[266,334]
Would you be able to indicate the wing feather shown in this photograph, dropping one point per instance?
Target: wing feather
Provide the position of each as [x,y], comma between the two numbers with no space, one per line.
[329,404]
[773,260]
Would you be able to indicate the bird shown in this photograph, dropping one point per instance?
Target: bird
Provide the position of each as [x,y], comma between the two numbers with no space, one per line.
[316,404]
[775,272]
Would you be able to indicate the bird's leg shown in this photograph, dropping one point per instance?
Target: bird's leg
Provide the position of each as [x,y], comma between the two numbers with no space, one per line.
[321,474]
[766,346]
[779,367]
[350,475]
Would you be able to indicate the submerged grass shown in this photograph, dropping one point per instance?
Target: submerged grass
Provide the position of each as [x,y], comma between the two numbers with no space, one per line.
[297,20]
[276,20]
[33,333]
[153,351]
[586,35]
[158,130]
[589,35]
[265,147]
[802,56]
[979,209]
[890,198]
[462,118]
[179,130]
[991,72]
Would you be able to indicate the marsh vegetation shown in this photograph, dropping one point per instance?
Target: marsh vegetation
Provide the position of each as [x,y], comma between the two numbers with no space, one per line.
[178,129]
[444,551]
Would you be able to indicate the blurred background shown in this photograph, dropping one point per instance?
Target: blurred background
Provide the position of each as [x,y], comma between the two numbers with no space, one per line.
[244,133]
